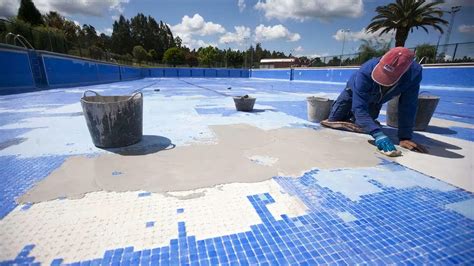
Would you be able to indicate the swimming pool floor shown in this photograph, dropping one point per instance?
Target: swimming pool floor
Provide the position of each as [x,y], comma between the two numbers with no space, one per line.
[386,214]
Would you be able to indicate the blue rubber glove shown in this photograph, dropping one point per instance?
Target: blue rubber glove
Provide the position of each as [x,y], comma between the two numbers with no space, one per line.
[383,142]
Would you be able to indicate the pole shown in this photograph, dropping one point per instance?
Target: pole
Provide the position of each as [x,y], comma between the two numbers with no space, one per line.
[453,12]
[436,51]
[454,53]
[343,43]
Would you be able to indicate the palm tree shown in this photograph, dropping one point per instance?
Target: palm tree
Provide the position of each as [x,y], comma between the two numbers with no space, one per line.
[404,15]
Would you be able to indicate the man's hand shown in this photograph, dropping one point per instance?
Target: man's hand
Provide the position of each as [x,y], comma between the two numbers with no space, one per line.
[383,143]
[412,146]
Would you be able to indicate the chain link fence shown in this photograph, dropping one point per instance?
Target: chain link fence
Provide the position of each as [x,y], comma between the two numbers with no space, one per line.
[449,53]
[22,34]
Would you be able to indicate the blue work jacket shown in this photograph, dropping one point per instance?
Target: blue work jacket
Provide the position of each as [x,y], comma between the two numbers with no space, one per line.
[366,93]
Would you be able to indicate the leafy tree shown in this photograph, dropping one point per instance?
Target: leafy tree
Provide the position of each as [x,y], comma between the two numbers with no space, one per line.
[371,49]
[29,13]
[174,56]
[121,36]
[235,58]
[153,54]
[88,36]
[316,62]
[178,41]
[405,15]
[335,61]
[55,20]
[139,53]
[427,51]
[207,56]
[191,59]
[96,52]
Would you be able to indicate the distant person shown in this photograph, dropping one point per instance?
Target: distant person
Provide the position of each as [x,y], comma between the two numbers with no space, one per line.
[376,82]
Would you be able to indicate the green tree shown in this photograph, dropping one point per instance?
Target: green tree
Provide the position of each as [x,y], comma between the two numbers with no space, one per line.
[207,56]
[140,54]
[335,61]
[55,20]
[121,36]
[29,13]
[371,49]
[174,56]
[235,58]
[426,51]
[405,15]
[178,41]
[153,54]
[191,59]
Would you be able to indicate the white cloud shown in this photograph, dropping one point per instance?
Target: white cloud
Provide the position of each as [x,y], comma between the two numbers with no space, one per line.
[299,49]
[466,28]
[66,7]
[196,25]
[308,9]
[8,8]
[241,4]
[192,43]
[239,36]
[263,33]
[108,31]
[450,3]
[362,35]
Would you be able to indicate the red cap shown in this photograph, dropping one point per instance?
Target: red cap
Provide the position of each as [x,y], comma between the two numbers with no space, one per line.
[392,66]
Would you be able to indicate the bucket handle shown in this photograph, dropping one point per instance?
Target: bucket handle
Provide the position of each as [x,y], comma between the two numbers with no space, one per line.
[135,94]
[84,94]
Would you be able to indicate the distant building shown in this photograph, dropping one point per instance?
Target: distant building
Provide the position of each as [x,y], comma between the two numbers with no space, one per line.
[279,63]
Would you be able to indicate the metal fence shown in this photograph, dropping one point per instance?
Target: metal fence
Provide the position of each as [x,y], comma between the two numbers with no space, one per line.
[449,53]
[53,40]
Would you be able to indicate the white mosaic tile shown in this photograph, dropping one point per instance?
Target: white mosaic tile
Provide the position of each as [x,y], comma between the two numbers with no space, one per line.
[84,228]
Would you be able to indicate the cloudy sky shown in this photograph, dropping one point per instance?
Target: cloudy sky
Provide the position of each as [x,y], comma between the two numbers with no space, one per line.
[302,27]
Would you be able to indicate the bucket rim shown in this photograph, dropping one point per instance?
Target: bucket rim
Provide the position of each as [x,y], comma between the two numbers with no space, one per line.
[131,97]
[241,98]
[318,98]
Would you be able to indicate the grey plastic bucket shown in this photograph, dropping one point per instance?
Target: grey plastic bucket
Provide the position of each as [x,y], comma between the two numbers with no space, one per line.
[244,103]
[426,107]
[318,108]
[113,121]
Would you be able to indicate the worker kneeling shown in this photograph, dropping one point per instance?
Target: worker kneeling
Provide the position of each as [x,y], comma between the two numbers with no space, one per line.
[376,82]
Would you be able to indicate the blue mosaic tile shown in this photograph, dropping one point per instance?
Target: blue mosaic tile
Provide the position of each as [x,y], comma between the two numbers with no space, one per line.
[144,194]
[18,175]
[150,224]
[180,210]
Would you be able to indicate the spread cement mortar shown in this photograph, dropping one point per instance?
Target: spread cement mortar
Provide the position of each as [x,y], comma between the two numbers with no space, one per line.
[291,152]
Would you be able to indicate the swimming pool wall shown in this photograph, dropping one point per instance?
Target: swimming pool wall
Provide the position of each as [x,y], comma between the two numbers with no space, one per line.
[450,76]
[23,70]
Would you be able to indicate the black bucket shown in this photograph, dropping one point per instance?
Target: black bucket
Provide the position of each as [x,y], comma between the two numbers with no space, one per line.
[113,121]
[426,107]
[318,108]
[244,103]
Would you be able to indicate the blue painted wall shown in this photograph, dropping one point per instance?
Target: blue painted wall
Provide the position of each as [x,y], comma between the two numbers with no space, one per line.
[157,72]
[62,71]
[15,71]
[436,76]
[449,76]
[108,73]
[129,73]
[330,75]
[171,72]
[184,72]
[271,74]
[197,72]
